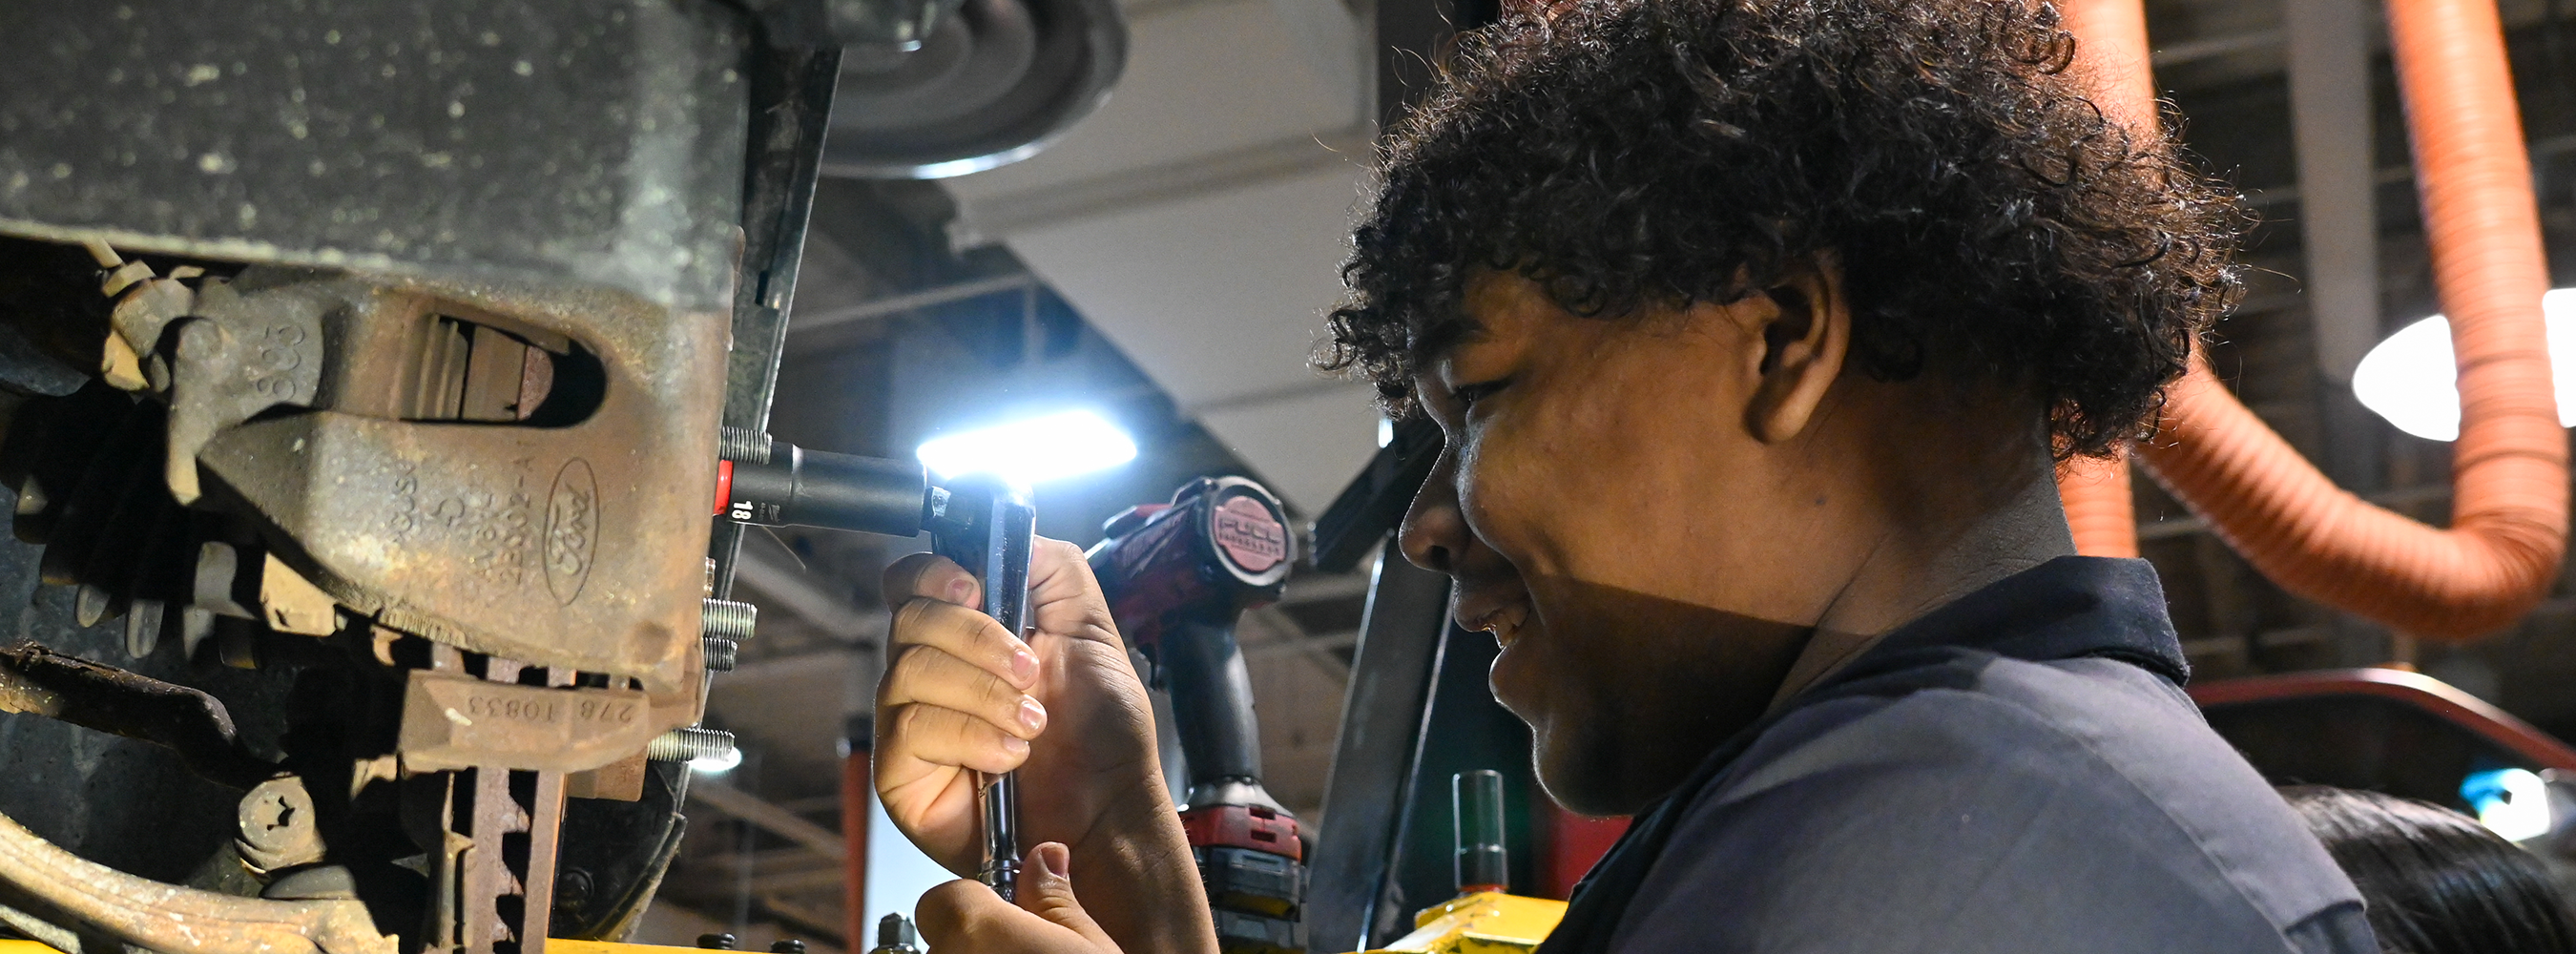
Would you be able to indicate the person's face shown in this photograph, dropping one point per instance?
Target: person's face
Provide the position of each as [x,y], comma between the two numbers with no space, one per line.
[1620,509]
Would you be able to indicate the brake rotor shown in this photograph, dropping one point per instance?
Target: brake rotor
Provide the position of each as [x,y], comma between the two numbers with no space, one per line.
[991,84]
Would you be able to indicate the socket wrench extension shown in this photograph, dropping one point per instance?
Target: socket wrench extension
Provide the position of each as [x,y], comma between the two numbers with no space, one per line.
[984,524]
[989,527]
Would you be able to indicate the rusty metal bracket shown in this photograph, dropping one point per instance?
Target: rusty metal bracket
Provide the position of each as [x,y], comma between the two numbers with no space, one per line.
[37,680]
[498,537]
[453,721]
[238,354]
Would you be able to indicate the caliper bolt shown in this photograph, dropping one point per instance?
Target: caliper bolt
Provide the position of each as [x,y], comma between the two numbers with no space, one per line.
[716,942]
[742,445]
[277,829]
[690,742]
[720,653]
[731,619]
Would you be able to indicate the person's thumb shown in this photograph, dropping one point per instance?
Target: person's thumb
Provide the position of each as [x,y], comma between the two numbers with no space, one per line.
[1046,890]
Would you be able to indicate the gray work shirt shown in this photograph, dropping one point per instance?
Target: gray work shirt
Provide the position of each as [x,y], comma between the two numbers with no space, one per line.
[2017,771]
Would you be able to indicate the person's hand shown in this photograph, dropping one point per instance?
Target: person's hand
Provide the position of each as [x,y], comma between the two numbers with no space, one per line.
[963,698]
[965,916]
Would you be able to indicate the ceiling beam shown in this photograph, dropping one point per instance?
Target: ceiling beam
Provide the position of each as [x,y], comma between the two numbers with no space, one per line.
[771,570]
[768,817]
[2542,150]
[810,879]
[1002,216]
[808,323]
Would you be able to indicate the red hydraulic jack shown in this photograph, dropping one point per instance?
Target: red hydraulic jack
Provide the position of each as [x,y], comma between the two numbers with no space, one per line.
[1178,576]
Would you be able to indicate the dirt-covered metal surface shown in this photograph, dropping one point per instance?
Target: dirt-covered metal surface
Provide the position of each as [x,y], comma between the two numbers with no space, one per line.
[594,140]
[126,803]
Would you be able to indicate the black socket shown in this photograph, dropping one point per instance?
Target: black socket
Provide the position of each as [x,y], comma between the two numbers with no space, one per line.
[822,489]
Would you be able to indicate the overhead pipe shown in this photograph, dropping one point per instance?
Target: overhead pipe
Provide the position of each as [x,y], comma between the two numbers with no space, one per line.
[2111,57]
[2509,468]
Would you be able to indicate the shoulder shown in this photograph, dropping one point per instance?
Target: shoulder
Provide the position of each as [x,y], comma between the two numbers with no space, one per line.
[2078,805]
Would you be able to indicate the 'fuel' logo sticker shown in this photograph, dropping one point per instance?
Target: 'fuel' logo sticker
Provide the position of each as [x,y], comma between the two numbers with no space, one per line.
[1249,535]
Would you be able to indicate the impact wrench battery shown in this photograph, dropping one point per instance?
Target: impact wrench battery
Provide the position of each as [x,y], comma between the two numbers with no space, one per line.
[983,523]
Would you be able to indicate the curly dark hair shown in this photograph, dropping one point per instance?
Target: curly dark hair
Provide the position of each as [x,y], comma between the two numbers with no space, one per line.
[1990,221]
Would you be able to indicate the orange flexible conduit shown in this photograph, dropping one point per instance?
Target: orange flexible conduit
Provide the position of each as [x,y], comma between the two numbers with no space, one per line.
[2112,56]
[2509,468]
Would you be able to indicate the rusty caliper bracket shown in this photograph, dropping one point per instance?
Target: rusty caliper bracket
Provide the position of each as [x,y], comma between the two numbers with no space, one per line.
[498,487]
[508,470]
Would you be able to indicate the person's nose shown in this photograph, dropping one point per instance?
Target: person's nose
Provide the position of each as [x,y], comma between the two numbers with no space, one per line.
[1435,530]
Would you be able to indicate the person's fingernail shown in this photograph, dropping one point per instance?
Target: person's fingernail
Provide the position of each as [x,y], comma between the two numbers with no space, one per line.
[1024,666]
[1032,715]
[1015,745]
[1054,859]
[959,589]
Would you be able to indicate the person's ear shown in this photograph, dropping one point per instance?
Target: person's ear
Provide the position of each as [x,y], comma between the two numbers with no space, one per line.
[1805,339]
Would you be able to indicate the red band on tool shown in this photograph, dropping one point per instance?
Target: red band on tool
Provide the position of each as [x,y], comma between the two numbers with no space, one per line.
[1244,826]
[724,485]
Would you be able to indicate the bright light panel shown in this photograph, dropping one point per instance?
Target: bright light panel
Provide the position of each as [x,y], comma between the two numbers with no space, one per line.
[1032,451]
[2513,803]
[717,764]
[2411,379]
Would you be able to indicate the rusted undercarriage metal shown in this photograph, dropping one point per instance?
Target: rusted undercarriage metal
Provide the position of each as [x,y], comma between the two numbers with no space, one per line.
[489,536]
[429,340]
[457,461]
[493,881]
[598,142]
[452,721]
[165,917]
[37,680]
[489,852]
[492,251]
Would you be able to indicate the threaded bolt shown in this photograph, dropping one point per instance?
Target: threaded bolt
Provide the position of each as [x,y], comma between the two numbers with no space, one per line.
[721,653]
[895,933]
[690,742]
[742,445]
[731,619]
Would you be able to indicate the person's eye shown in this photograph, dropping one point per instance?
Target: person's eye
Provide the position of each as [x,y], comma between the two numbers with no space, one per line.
[1468,394]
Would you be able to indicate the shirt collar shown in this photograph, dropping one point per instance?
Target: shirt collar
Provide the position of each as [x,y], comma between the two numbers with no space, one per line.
[2065,608]
[2066,603]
